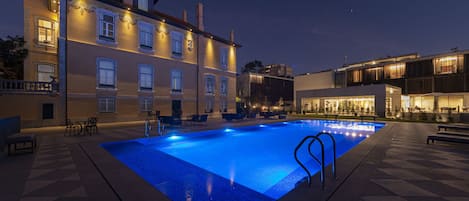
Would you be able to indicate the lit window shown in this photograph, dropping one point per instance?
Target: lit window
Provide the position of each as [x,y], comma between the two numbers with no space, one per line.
[143,5]
[224,58]
[146,32]
[107,104]
[176,81]
[446,65]
[45,30]
[146,104]
[209,84]
[224,87]
[146,77]
[357,76]
[107,25]
[394,71]
[45,72]
[176,43]
[106,73]
[209,105]
[374,74]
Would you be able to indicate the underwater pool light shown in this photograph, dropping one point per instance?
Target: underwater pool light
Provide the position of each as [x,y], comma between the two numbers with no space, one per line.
[228,130]
[175,137]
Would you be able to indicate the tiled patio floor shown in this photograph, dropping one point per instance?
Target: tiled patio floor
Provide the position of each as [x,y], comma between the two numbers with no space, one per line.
[395,165]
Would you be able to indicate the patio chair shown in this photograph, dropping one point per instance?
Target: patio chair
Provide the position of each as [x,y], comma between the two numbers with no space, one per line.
[72,128]
[91,125]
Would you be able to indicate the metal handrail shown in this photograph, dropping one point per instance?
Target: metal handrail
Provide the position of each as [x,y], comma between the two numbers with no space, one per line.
[309,148]
[334,169]
[322,162]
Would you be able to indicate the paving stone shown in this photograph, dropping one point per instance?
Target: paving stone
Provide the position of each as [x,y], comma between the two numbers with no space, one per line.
[78,192]
[404,164]
[37,198]
[31,185]
[461,185]
[402,188]
[383,198]
[457,198]
[403,174]
[39,172]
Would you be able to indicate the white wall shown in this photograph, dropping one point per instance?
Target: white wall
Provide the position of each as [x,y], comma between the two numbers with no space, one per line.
[320,80]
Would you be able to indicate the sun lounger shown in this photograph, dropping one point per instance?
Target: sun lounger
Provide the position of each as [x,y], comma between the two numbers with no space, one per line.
[453,133]
[233,116]
[10,135]
[202,119]
[447,138]
[453,127]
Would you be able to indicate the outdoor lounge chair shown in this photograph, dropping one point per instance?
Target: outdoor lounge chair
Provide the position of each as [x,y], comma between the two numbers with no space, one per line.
[267,115]
[233,116]
[447,138]
[170,120]
[192,119]
[10,135]
[462,134]
[202,118]
[453,127]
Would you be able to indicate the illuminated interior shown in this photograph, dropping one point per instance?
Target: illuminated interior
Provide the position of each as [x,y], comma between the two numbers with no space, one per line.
[346,105]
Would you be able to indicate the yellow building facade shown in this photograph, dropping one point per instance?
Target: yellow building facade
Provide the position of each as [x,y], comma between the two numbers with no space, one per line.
[122,60]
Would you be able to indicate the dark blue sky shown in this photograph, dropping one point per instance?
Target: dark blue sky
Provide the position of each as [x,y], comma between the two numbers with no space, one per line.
[313,35]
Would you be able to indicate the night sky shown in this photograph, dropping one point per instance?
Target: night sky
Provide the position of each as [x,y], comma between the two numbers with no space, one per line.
[313,35]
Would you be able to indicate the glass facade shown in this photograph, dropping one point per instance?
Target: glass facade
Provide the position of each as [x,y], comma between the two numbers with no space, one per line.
[345,105]
[437,103]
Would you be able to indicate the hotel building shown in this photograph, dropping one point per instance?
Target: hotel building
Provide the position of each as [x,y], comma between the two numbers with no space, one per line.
[269,89]
[117,60]
[390,87]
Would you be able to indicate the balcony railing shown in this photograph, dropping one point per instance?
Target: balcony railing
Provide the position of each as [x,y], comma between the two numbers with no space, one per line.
[28,87]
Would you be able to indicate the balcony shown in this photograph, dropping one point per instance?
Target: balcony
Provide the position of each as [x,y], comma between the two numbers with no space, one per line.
[28,87]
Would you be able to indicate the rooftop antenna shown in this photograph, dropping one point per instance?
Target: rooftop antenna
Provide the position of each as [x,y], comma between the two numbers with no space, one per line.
[345,60]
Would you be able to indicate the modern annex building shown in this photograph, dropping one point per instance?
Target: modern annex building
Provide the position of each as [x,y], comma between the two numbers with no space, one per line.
[389,87]
[117,60]
[269,89]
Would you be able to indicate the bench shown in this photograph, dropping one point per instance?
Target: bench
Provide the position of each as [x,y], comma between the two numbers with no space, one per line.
[10,135]
[453,127]
[362,117]
[447,138]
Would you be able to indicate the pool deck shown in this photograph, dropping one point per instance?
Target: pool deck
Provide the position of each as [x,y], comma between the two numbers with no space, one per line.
[396,164]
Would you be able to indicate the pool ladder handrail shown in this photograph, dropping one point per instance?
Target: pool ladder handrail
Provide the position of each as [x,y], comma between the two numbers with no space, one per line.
[321,162]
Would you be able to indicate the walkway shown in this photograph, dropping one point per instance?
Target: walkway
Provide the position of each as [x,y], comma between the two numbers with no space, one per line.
[394,165]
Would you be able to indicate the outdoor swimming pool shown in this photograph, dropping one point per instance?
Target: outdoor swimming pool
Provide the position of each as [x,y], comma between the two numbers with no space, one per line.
[246,163]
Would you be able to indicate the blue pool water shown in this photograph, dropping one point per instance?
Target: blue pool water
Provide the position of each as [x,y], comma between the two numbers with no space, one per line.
[247,163]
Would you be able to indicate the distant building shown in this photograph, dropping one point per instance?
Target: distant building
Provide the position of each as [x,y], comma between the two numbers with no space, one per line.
[279,70]
[117,60]
[389,87]
[271,89]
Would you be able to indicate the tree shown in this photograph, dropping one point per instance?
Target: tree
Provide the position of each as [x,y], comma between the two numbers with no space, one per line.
[12,55]
[253,67]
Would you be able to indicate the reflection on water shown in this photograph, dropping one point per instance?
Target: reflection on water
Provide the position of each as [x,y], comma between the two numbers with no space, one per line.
[351,126]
